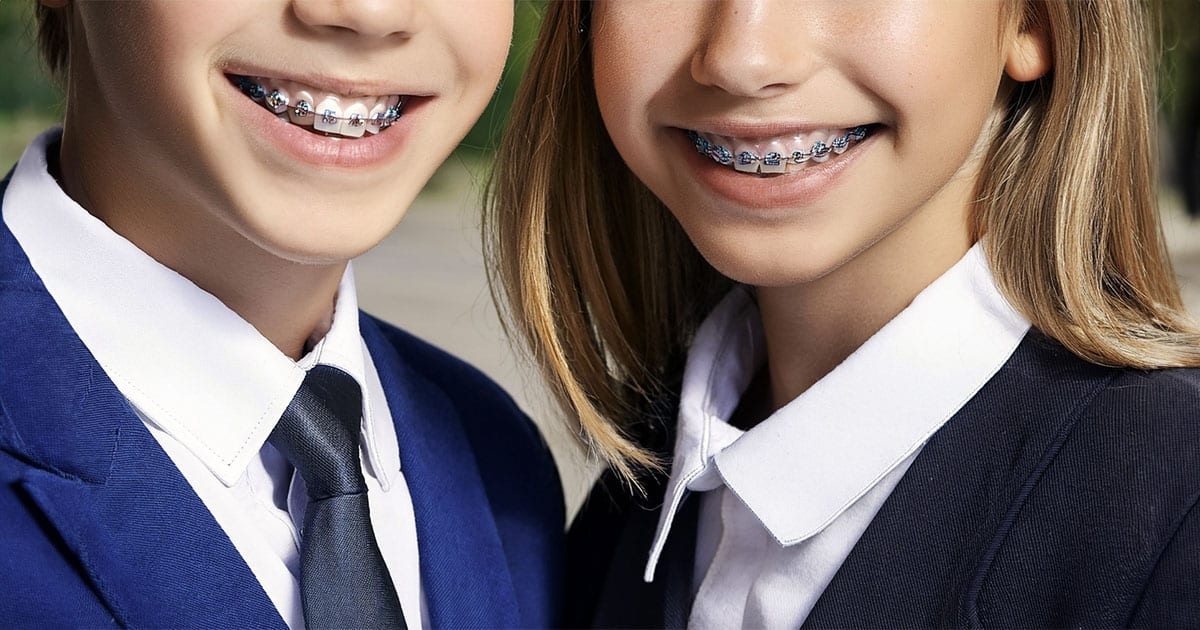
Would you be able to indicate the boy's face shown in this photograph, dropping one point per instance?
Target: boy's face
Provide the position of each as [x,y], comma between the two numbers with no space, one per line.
[163,127]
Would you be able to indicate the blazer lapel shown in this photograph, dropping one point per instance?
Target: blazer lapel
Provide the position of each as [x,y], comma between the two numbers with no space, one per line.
[610,538]
[464,573]
[628,601]
[144,540]
[916,565]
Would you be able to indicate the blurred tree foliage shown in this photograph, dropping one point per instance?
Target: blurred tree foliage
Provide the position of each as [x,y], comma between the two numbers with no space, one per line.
[1180,91]
[486,133]
[24,87]
[1180,75]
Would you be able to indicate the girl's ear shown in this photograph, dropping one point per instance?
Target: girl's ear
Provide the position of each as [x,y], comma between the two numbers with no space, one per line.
[1029,56]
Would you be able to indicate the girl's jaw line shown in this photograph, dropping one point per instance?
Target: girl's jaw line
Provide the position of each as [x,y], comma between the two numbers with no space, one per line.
[310,149]
[777,191]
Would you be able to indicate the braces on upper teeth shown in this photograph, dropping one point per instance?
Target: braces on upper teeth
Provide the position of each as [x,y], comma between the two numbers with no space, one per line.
[277,103]
[750,162]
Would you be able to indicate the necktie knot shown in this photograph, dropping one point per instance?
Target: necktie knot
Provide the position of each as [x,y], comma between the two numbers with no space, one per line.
[319,433]
[344,582]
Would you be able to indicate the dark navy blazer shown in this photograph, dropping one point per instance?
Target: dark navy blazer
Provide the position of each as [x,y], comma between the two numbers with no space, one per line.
[1063,494]
[99,529]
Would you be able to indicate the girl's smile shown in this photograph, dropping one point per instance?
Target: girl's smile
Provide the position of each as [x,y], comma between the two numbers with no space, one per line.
[787,153]
[763,107]
[776,183]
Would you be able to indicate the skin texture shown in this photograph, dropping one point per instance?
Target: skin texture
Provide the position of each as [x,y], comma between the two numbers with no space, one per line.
[834,264]
[158,146]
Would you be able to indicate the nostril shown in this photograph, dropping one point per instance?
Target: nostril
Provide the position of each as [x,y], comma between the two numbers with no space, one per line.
[359,18]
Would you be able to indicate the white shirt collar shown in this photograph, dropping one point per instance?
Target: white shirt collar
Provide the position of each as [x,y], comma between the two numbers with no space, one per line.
[799,469]
[191,365]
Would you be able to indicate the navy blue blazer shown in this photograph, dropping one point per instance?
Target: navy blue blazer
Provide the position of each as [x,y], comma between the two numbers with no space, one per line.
[99,529]
[1063,494]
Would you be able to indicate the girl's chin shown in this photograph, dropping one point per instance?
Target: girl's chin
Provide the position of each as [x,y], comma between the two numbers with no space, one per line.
[766,268]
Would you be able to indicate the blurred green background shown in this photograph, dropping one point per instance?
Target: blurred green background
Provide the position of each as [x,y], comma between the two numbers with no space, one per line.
[29,102]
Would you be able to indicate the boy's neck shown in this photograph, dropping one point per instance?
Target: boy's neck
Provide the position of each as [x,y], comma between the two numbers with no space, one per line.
[289,303]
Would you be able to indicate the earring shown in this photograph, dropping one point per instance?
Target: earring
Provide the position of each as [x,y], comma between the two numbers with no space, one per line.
[585,15]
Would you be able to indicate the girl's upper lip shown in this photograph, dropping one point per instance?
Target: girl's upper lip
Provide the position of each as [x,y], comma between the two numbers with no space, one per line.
[349,84]
[752,129]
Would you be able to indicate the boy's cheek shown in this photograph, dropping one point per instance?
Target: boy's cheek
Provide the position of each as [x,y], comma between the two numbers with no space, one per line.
[153,79]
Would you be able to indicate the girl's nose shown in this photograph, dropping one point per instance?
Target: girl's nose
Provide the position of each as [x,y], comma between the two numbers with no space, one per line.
[753,48]
[366,18]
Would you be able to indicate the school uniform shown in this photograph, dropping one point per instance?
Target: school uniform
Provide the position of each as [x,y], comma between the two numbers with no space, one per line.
[959,469]
[137,483]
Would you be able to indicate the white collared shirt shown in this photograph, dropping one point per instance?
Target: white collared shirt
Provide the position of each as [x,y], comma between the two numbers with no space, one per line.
[209,386]
[786,501]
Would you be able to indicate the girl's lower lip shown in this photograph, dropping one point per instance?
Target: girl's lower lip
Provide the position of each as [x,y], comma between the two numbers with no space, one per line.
[325,151]
[775,191]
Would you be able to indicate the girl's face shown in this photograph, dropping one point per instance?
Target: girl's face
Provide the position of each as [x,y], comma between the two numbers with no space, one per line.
[159,105]
[919,77]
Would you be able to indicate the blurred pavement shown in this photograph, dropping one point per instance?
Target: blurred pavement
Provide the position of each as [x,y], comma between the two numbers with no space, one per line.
[427,277]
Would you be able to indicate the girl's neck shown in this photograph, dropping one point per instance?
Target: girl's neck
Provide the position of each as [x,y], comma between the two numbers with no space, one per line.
[813,327]
[286,301]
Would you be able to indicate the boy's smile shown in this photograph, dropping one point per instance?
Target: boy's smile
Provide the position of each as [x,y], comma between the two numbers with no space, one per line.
[321,110]
[191,168]
[325,122]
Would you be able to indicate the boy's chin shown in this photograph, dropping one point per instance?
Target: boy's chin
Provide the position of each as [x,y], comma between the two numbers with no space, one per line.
[322,237]
[320,226]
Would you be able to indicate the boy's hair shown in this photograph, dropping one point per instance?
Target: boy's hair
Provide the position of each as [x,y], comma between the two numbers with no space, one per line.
[606,290]
[52,39]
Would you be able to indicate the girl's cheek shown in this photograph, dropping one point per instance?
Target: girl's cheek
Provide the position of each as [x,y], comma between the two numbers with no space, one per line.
[638,51]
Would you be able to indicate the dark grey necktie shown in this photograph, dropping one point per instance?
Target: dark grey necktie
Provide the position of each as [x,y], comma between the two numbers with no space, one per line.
[343,580]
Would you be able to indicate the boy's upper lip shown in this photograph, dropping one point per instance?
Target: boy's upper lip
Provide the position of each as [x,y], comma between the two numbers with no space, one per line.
[750,129]
[347,83]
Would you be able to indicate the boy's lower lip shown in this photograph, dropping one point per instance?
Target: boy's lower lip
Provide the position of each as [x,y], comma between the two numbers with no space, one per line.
[324,151]
[764,193]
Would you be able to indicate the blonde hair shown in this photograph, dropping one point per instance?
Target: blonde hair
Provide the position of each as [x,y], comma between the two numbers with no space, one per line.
[605,290]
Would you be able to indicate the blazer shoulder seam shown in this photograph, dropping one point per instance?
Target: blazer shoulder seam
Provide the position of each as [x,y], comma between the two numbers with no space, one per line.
[1010,517]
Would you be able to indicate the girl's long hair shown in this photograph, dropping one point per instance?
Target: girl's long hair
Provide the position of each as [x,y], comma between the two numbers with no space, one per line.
[604,289]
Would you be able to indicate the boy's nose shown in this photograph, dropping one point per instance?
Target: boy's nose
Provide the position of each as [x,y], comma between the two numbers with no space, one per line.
[367,18]
[753,48]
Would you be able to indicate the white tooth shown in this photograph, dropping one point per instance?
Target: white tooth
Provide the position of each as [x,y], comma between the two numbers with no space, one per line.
[327,115]
[823,155]
[775,152]
[750,166]
[355,122]
[393,100]
[300,99]
[373,115]
[794,144]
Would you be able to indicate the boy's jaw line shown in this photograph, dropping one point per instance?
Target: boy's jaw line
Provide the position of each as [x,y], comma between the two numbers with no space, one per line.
[284,314]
